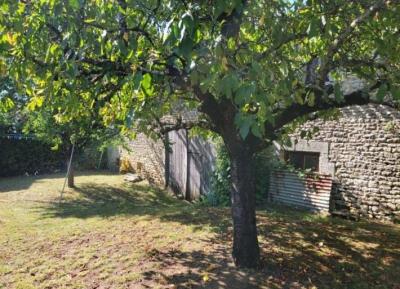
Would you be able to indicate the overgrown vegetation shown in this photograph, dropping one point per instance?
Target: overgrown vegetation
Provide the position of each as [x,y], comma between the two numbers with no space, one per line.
[35,143]
[27,155]
[219,195]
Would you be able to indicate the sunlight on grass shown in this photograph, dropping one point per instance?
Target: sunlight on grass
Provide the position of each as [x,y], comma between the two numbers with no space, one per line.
[115,235]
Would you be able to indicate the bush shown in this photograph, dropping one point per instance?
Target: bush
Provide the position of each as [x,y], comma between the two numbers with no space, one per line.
[220,179]
[220,182]
[25,155]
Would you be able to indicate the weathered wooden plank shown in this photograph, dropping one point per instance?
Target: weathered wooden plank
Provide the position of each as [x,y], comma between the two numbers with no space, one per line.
[178,161]
[202,156]
[191,163]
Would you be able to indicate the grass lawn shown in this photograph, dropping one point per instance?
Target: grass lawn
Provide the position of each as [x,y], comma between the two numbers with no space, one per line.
[108,234]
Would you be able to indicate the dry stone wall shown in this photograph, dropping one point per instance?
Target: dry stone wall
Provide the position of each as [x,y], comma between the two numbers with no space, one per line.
[364,148]
[146,158]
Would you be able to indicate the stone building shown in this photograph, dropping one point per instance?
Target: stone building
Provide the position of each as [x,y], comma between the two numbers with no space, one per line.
[146,157]
[184,166]
[356,155]
[360,150]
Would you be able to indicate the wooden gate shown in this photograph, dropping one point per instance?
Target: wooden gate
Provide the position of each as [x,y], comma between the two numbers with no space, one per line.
[177,161]
[190,164]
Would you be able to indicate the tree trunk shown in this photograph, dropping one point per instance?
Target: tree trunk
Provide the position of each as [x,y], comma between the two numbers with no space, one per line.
[246,252]
[71,182]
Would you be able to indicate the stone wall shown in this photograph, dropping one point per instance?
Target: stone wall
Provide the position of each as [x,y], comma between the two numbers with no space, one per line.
[147,158]
[364,149]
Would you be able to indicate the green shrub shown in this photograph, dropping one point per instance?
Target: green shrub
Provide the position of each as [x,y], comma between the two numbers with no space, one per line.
[220,181]
[26,155]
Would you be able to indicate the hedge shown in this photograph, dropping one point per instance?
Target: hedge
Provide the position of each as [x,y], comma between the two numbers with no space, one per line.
[28,156]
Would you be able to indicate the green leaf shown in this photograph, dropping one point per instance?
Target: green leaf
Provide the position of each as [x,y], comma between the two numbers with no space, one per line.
[244,129]
[395,91]
[194,77]
[244,93]
[298,96]
[188,22]
[6,104]
[74,4]
[255,129]
[311,99]
[35,102]
[231,43]
[137,80]
[244,123]
[146,81]
[4,8]
[380,95]
[313,28]
[219,8]
[338,92]
[228,85]
[185,47]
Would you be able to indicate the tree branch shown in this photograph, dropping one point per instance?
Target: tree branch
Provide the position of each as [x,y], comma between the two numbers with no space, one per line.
[289,39]
[296,110]
[136,29]
[338,42]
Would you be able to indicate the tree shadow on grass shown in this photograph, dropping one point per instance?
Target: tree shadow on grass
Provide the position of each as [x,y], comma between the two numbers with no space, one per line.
[106,201]
[19,183]
[94,200]
[208,268]
[298,250]
[299,253]
[330,253]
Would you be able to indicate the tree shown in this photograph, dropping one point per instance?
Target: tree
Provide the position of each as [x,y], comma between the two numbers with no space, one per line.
[61,132]
[11,104]
[251,68]
[72,134]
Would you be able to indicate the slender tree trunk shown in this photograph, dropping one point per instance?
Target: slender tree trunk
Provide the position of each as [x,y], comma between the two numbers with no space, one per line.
[246,252]
[71,178]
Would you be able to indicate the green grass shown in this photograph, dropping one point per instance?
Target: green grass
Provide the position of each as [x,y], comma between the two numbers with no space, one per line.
[109,234]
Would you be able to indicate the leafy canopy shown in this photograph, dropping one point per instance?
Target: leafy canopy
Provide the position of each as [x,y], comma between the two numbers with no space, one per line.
[261,63]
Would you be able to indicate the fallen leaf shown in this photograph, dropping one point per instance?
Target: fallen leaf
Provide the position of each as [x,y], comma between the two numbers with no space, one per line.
[206,278]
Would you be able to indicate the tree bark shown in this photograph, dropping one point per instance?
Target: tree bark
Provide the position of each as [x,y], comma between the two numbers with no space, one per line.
[71,179]
[246,252]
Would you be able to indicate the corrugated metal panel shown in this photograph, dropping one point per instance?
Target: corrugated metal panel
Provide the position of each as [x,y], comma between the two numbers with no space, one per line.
[311,192]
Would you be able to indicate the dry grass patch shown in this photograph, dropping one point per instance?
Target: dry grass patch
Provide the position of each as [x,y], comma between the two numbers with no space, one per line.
[107,234]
